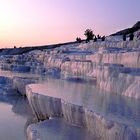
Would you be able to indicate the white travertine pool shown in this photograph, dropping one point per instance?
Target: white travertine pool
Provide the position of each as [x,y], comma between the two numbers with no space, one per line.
[112,106]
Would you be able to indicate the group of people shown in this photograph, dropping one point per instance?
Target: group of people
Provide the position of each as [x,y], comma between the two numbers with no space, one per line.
[131,36]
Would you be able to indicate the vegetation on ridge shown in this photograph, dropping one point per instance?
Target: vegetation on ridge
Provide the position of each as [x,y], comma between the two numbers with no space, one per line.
[127,31]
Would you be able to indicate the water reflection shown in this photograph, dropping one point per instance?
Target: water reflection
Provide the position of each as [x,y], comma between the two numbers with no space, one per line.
[15,112]
[111,106]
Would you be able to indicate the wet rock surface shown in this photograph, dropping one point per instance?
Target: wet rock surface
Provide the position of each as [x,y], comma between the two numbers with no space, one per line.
[103,116]
[93,85]
[57,129]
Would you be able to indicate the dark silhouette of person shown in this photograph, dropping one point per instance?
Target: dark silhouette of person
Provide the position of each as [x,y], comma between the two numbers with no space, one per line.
[131,37]
[124,37]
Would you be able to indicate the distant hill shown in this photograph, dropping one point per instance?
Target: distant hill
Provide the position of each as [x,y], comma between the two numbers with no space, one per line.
[127,31]
[17,51]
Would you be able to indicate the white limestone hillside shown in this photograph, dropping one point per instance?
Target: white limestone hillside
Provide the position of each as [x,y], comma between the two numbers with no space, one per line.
[110,63]
[107,101]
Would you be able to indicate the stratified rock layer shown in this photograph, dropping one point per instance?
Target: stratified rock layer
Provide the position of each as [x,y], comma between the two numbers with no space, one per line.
[109,68]
[46,103]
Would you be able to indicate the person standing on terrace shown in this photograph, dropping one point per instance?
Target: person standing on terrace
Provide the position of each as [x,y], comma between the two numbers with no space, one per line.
[138,35]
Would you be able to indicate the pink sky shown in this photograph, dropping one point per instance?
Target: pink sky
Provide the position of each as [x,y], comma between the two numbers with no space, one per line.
[38,22]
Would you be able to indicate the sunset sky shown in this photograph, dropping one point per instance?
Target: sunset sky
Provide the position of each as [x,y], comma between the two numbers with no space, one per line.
[38,22]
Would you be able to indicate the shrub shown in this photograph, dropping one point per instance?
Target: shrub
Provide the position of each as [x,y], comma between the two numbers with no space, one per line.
[98,37]
[95,39]
[103,38]
[78,39]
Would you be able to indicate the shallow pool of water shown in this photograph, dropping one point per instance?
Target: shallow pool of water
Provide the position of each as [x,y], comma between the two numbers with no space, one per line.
[15,116]
[112,106]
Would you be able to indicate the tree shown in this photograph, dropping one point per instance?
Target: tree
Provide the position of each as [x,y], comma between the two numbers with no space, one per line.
[89,35]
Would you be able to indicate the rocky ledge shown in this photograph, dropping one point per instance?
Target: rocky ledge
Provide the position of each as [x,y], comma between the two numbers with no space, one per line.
[46,102]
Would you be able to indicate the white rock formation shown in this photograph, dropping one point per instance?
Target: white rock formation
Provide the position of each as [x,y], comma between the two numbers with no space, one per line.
[77,108]
[19,84]
[113,65]
[57,129]
[6,86]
